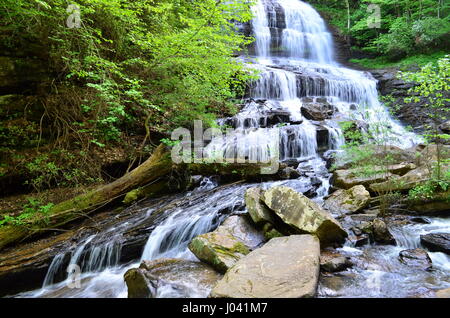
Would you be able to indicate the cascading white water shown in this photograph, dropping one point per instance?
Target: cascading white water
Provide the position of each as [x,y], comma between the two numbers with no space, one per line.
[261,25]
[305,35]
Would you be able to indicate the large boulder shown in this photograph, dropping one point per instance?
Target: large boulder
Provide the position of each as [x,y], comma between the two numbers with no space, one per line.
[222,248]
[416,258]
[436,242]
[348,201]
[303,215]
[170,278]
[286,267]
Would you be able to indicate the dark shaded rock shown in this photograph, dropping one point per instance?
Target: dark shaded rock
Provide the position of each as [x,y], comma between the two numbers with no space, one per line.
[138,284]
[436,242]
[416,258]
[445,127]
[289,173]
[318,111]
[420,220]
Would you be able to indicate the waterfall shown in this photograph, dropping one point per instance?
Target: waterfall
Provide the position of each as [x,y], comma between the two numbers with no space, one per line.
[295,58]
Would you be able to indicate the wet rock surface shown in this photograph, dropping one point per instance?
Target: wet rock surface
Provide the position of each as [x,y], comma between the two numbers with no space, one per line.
[169,278]
[417,258]
[334,262]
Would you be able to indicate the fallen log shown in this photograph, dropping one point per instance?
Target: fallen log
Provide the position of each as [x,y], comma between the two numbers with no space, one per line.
[158,165]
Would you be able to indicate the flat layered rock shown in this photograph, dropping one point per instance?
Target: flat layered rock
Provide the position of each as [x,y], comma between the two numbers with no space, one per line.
[286,267]
[347,179]
[416,258]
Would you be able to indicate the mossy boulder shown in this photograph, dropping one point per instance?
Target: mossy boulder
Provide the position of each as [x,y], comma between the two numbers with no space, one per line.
[303,215]
[349,201]
[222,248]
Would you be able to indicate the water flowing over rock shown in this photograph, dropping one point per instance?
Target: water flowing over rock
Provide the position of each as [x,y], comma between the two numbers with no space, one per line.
[286,267]
[169,278]
[348,201]
[436,242]
[417,258]
[222,248]
[304,215]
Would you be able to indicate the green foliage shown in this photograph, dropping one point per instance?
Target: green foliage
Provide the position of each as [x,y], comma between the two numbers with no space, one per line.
[33,210]
[406,27]
[405,63]
[170,59]
[440,182]
[433,84]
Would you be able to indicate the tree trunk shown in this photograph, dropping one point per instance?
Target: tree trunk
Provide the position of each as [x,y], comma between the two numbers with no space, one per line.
[158,165]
